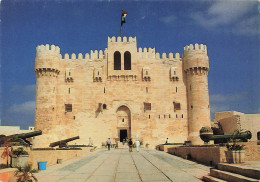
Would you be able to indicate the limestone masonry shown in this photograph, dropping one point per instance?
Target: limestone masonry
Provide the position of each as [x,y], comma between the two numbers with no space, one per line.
[121,92]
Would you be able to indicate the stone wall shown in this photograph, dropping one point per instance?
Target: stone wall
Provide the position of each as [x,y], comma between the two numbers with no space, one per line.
[51,156]
[97,93]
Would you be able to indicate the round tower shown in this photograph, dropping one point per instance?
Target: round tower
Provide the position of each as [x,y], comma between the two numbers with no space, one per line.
[46,69]
[196,68]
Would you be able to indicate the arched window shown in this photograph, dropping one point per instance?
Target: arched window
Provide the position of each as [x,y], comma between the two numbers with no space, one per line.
[127,61]
[117,61]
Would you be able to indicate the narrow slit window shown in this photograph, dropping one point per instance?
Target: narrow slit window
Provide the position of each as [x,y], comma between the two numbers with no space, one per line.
[146,89]
[176,89]
[176,116]
[169,116]
[149,116]
[104,89]
[69,90]
[182,116]
[104,106]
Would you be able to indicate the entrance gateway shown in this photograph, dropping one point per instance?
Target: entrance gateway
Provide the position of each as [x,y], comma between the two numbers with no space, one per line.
[123,135]
[123,115]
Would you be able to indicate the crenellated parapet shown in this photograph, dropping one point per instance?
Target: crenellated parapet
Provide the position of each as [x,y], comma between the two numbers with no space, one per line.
[151,53]
[47,60]
[120,39]
[195,59]
[93,55]
[197,47]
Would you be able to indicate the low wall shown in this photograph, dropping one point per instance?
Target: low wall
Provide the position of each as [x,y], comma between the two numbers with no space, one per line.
[206,155]
[215,154]
[51,156]
[163,147]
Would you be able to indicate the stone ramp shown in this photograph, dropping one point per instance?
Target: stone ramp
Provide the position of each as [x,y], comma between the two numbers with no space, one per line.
[240,172]
[119,165]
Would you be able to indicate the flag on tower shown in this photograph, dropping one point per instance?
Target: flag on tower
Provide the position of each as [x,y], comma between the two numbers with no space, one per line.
[124,13]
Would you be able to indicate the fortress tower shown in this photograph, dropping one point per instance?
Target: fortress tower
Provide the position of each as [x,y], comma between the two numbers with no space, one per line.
[121,91]
[46,69]
[196,67]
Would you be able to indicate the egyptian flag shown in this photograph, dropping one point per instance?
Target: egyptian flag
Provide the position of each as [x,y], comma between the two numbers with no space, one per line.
[124,13]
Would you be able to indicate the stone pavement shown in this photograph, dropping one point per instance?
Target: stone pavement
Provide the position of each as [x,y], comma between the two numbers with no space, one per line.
[124,166]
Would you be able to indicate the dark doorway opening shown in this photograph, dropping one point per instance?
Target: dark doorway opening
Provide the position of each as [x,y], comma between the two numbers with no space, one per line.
[123,135]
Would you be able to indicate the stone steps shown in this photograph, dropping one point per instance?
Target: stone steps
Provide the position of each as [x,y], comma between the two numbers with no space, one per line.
[229,176]
[212,179]
[240,169]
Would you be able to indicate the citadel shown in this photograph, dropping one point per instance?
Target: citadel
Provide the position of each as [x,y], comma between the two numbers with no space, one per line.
[123,91]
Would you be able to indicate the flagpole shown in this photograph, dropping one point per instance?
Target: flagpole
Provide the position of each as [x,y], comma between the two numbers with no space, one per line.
[121,30]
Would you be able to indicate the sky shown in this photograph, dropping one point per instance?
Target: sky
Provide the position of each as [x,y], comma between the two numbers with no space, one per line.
[230,29]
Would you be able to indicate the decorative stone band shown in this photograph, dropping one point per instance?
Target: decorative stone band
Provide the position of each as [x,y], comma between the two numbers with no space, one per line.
[197,71]
[46,72]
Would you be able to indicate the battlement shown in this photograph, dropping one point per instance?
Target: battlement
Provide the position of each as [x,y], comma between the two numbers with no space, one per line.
[93,55]
[119,39]
[150,53]
[47,47]
[199,47]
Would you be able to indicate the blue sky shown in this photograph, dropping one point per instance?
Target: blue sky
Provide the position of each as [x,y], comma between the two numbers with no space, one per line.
[230,29]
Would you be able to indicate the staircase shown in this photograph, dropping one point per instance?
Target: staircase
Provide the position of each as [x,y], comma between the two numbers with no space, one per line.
[234,173]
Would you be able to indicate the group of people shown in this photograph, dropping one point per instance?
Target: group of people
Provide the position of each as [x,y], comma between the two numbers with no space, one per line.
[130,144]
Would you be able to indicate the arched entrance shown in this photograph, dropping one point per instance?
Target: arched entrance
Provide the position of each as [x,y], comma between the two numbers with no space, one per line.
[123,115]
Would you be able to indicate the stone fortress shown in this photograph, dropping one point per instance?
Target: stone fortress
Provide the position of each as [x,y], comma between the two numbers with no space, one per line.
[121,92]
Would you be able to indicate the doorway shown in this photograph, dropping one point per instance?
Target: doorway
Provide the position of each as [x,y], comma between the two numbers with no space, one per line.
[123,135]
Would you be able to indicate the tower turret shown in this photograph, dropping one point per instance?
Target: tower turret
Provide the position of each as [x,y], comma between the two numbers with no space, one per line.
[46,69]
[196,67]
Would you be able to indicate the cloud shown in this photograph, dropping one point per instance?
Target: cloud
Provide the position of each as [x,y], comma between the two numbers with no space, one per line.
[168,19]
[218,108]
[234,13]
[25,89]
[24,108]
[228,97]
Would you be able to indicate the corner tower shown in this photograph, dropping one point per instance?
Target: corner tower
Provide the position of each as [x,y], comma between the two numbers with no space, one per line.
[196,68]
[47,70]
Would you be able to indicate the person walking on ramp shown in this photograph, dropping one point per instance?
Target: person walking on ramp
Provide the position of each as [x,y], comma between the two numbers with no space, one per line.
[137,144]
[108,143]
[130,143]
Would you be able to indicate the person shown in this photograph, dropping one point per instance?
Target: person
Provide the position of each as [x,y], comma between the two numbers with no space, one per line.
[130,144]
[167,141]
[137,144]
[108,143]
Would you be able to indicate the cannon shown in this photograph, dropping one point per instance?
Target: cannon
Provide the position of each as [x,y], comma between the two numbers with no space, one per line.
[18,139]
[206,134]
[63,143]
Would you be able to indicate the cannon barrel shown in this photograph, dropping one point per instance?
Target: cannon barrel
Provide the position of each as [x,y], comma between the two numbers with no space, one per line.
[206,134]
[18,138]
[26,135]
[63,142]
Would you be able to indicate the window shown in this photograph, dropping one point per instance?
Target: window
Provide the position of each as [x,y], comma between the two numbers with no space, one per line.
[104,106]
[147,106]
[176,89]
[164,116]
[123,120]
[169,116]
[69,73]
[146,89]
[191,106]
[177,106]
[127,60]
[146,72]
[117,61]
[176,116]
[69,90]
[174,72]
[74,117]
[104,89]
[149,116]
[68,107]
[182,116]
